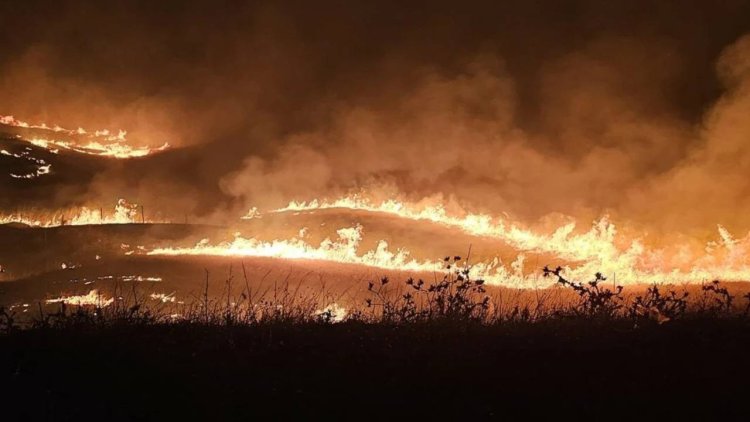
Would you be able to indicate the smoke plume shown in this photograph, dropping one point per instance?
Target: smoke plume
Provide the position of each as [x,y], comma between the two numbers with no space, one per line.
[632,109]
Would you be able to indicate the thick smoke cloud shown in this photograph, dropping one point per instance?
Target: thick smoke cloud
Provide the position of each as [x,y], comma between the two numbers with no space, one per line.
[633,109]
[711,181]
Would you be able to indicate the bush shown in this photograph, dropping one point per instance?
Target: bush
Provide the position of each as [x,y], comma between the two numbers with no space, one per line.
[456,297]
[595,301]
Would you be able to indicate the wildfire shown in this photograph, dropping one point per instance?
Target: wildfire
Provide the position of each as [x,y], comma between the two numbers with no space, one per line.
[595,243]
[343,250]
[599,249]
[101,142]
[334,312]
[93,298]
[42,167]
[163,297]
[124,213]
[117,149]
[140,278]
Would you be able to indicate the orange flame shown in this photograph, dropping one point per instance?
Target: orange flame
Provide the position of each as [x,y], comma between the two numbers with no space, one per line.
[600,249]
[42,167]
[345,250]
[124,213]
[92,298]
[100,142]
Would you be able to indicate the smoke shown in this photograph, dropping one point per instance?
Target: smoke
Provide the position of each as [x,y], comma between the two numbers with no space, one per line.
[632,109]
[710,182]
[607,142]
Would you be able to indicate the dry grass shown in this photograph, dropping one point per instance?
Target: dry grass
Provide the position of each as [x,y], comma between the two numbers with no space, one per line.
[454,299]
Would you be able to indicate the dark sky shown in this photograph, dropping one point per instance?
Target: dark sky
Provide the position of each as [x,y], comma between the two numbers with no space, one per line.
[526,107]
[284,57]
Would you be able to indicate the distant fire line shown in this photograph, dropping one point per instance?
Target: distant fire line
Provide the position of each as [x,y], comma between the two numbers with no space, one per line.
[593,251]
[101,142]
[123,213]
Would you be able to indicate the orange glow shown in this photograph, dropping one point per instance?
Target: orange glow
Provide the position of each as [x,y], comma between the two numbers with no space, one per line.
[124,213]
[345,250]
[42,167]
[600,248]
[92,298]
[101,142]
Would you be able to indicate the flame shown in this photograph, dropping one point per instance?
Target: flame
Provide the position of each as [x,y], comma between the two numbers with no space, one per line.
[101,142]
[124,213]
[560,243]
[334,311]
[345,250]
[599,249]
[140,278]
[42,167]
[163,297]
[115,150]
[93,298]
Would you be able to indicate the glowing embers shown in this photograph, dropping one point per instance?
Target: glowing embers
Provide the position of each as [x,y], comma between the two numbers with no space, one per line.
[332,313]
[93,298]
[115,149]
[23,307]
[124,278]
[123,213]
[41,166]
[164,298]
[101,142]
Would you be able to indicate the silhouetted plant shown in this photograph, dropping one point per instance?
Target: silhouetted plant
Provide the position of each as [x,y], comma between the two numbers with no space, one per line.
[716,299]
[327,316]
[7,319]
[455,297]
[595,301]
[657,306]
[519,314]
[396,307]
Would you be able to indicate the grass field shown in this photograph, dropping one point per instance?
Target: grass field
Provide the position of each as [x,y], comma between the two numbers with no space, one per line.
[448,356]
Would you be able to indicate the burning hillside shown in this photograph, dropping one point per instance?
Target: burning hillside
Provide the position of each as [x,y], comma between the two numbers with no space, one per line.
[123,213]
[478,205]
[505,251]
[582,152]
[100,143]
[356,231]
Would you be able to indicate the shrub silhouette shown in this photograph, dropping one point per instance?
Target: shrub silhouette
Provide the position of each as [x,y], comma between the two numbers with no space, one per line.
[595,301]
[716,299]
[7,320]
[456,297]
[657,306]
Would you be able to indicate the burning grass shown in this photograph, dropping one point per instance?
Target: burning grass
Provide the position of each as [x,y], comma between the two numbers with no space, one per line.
[602,247]
[122,213]
[99,143]
[457,298]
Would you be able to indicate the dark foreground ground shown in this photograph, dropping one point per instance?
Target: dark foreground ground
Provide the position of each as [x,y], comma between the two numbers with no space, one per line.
[696,368]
